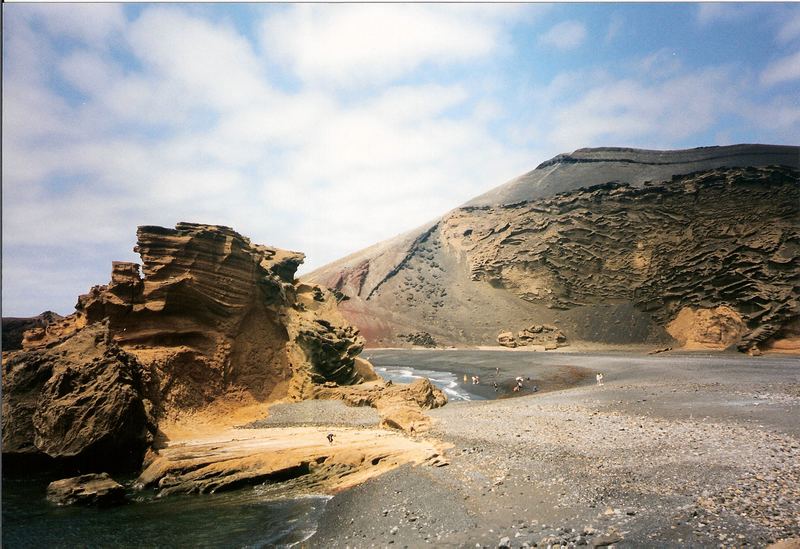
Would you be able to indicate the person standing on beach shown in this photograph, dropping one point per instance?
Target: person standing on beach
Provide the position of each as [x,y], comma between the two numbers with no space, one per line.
[599,378]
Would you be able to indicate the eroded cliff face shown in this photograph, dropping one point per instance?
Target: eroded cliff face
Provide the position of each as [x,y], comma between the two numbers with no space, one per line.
[618,259]
[209,316]
[722,237]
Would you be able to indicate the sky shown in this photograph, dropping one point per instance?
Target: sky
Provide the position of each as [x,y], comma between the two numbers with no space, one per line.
[326,128]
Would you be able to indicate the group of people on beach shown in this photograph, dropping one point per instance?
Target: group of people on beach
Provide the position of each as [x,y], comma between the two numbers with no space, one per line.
[519,385]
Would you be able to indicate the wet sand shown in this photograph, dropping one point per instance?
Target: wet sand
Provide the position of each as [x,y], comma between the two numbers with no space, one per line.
[676,450]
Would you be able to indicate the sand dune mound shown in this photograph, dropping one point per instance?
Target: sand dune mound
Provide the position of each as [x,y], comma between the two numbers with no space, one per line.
[608,245]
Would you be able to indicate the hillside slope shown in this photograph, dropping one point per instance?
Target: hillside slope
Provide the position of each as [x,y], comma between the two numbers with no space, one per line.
[623,246]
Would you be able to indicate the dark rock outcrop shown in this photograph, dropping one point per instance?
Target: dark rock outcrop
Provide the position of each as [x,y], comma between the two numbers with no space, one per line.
[420,339]
[609,244]
[92,489]
[80,401]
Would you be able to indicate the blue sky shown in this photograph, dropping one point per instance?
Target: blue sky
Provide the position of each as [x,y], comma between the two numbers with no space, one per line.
[327,128]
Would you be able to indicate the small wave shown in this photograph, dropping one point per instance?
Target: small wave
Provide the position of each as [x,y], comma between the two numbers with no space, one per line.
[446,381]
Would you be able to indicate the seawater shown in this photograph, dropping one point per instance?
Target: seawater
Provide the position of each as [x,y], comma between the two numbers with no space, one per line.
[448,382]
[242,518]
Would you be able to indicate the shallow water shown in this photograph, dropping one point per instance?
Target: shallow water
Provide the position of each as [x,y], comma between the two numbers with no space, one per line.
[446,381]
[250,517]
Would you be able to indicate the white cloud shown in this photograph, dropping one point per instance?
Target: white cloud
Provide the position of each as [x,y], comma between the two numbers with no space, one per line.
[200,62]
[90,23]
[350,45]
[780,117]
[784,69]
[631,111]
[88,72]
[566,35]
[659,64]
[713,12]
[789,27]
[615,27]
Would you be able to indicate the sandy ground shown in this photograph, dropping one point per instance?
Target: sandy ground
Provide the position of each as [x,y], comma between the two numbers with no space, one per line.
[674,450]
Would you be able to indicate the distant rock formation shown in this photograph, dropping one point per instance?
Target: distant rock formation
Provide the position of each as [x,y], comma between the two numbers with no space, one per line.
[611,245]
[15,328]
[210,316]
[537,335]
[420,339]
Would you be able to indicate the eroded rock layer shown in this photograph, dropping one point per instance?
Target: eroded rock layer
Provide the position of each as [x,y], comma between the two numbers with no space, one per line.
[210,316]
[614,260]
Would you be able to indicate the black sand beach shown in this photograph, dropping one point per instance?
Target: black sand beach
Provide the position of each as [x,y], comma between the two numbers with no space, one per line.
[674,450]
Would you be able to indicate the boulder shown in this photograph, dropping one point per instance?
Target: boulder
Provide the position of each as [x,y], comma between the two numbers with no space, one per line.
[15,328]
[542,334]
[81,401]
[716,328]
[93,489]
[365,369]
[506,339]
[400,406]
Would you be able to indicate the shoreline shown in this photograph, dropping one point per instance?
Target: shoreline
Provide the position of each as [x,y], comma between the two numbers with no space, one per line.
[593,349]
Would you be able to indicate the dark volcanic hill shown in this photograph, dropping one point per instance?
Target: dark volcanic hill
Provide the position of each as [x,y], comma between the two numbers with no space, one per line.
[699,248]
